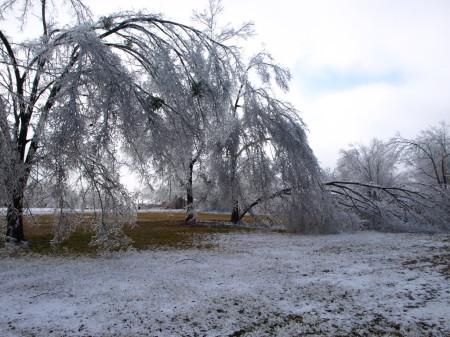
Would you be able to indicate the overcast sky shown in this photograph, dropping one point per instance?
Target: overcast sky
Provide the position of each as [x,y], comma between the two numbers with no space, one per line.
[361,68]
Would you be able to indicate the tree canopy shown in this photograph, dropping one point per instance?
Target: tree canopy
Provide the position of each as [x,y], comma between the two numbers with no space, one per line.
[174,101]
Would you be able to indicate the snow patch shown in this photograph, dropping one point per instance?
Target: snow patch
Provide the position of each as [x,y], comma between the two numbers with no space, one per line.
[261,284]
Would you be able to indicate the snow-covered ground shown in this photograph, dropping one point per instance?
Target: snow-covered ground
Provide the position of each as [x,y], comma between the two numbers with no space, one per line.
[254,284]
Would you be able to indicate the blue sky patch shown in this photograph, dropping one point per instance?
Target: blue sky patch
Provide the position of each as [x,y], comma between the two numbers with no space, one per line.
[328,80]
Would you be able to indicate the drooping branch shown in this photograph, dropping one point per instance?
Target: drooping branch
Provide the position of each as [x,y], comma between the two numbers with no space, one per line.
[422,202]
[285,191]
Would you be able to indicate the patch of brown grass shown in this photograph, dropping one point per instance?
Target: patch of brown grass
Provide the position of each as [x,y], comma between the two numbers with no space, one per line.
[152,229]
[437,259]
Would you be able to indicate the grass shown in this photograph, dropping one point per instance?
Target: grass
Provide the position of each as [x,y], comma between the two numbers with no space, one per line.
[166,230]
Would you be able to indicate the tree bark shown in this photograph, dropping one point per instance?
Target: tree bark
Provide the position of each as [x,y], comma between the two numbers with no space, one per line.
[235,218]
[14,219]
[234,189]
[190,217]
[444,169]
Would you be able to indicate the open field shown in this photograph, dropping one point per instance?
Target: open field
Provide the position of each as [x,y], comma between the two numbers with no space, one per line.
[242,284]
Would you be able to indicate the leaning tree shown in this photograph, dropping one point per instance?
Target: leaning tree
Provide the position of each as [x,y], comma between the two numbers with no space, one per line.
[265,160]
[260,153]
[70,98]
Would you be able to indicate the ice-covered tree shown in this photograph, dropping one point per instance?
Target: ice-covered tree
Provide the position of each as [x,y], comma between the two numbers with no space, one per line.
[427,155]
[261,155]
[71,97]
[189,97]
[193,92]
[367,183]
[374,163]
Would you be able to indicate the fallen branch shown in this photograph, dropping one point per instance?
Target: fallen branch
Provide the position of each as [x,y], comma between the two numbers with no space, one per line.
[187,260]
[425,203]
[54,293]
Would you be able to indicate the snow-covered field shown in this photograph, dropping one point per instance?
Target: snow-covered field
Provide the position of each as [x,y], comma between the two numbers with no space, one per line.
[255,284]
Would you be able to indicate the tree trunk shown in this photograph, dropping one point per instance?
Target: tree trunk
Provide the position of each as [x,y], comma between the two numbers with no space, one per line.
[17,186]
[14,214]
[190,217]
[235,218]
[444,169]
[234,190]
[14,221]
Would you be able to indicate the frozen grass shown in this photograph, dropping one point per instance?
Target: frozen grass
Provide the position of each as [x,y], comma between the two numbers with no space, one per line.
[245,284]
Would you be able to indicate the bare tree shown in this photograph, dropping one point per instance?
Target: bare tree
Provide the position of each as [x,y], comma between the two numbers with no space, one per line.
[375,163]
[427,155]
[193,90]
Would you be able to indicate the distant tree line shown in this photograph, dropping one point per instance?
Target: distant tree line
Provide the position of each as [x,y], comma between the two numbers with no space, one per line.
[398,185]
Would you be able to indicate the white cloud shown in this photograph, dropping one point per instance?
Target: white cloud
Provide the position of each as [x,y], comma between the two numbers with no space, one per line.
[377,110]
[365,69]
